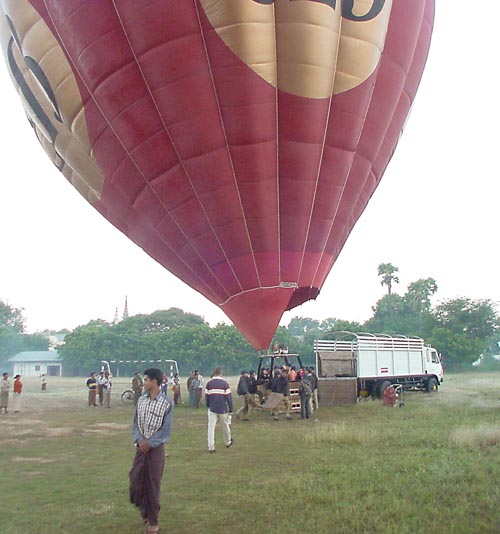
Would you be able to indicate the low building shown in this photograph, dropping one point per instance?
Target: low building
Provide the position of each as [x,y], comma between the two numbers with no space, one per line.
[36,363]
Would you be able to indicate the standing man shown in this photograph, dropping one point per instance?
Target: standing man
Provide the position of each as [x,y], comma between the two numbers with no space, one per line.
[188,385]
[176,388]
[107,385]
[314,382]
[4,393]
[150,430]
[92,386]
[279,385]
[137,383]
[244,395]
[195,393]
[220,407]
[101,380]
[199,376]
[305,392]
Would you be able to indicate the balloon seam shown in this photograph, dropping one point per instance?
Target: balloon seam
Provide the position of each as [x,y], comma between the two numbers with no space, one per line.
[179,159]
[320,163]
[276,92]
[209,66]
[132,159]
[346,180]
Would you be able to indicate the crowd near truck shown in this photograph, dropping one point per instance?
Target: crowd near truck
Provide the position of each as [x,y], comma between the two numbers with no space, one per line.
[362,365]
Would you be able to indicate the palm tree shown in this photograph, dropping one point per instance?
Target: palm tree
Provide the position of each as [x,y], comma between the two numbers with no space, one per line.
[386,271]
[419,293]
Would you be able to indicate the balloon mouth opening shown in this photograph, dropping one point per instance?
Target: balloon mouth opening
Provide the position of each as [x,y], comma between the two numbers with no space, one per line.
[301,295]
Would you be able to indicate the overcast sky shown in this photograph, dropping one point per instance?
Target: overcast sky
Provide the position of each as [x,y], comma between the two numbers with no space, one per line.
[435,213]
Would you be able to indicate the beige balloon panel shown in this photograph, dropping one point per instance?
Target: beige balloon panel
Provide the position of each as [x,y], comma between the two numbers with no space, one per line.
[302,47]
[71,151]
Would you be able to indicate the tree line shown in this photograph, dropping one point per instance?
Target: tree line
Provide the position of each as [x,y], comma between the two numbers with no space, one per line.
[13,338]
[461,329]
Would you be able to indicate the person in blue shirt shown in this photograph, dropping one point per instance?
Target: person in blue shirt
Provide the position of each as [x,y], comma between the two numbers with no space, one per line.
[150,430]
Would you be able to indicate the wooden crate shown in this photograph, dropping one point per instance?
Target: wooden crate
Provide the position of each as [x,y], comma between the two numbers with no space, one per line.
[337,391]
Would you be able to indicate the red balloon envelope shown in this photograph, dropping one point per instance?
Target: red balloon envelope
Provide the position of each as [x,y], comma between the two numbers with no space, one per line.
[236,141]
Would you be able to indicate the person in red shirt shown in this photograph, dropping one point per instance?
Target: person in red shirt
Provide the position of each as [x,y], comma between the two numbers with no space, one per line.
[18,389]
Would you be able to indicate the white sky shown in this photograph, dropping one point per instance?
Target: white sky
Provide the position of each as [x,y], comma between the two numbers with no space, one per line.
[435,213]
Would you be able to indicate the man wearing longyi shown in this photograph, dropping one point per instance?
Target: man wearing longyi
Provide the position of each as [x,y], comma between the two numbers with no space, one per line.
[151,430]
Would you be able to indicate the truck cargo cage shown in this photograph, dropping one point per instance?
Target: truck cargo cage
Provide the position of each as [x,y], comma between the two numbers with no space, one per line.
[351,342]
[374,362]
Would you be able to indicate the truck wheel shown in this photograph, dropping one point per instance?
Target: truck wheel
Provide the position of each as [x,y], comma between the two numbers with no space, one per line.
[383,386]
[432,386]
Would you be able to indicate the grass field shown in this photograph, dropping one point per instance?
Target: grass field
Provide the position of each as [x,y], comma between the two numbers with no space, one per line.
[431,466]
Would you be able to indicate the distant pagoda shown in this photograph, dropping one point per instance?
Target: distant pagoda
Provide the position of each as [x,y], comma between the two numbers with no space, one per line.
[125,309]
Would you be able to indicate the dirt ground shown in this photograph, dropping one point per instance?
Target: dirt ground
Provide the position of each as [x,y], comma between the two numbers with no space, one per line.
[68,395]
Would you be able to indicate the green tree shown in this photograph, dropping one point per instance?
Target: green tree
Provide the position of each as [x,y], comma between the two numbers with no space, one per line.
[388,273]
[10,343]
[12,317]
[418,295]
[337,325]
[389,316]
[464,329]
[13,338]
[11,328]
[457,349]
[231,349]
[87,346]
[160,320]
[298,326]
[475,318]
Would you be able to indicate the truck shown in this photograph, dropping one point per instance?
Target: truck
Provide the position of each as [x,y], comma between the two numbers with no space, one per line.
[360,365]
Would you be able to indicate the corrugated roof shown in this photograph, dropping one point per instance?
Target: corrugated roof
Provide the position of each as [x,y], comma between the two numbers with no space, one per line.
[36,356]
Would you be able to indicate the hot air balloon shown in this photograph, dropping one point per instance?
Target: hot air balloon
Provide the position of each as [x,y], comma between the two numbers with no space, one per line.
[236,141]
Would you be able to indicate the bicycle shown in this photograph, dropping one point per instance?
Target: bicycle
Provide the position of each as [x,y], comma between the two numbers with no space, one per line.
[127,396]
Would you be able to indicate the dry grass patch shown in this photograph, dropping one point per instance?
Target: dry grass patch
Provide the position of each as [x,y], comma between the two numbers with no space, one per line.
[340,433]
[116,426]
[102,509]
[56,432]
[33,460]
[481,437]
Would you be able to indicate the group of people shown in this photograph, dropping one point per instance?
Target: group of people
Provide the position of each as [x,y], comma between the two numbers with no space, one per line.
[99,387]
[173,383]
[275,386]
[17,390]
[153,417]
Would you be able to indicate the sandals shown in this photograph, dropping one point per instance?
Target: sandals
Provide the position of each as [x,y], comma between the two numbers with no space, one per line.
[152,530]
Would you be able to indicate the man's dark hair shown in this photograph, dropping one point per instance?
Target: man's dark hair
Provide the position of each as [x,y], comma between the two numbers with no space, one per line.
[154,374]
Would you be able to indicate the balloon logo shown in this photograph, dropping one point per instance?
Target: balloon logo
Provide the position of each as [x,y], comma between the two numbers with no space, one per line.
[304,47]
[236,141]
